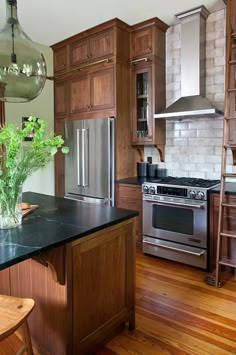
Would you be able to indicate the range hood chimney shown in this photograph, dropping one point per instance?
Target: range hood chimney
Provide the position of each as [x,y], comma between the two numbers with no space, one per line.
[193,47]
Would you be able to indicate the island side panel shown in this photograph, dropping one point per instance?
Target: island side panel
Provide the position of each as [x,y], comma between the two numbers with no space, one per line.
[5,282]
[50,322]
[104,279]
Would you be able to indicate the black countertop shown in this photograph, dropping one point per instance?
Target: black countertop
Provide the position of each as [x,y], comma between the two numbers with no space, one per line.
[57,221]
[230,188]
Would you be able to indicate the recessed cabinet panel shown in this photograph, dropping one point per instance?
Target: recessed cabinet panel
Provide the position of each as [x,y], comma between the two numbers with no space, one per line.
[141,42]
[79,52]
[60,98]
[79,94]
[102,44]
[60,59]
[102,89]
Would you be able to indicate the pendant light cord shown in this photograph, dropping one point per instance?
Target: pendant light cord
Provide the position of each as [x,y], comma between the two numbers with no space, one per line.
[13,54]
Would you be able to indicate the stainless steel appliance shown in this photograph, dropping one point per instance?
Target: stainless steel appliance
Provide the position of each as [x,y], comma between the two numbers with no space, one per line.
[89,166]
[175,219]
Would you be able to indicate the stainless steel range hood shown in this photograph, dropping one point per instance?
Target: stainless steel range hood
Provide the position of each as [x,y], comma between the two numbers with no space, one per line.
[193,47]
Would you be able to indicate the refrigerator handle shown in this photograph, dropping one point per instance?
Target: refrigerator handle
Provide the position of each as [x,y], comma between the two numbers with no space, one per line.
[78,157]
[85,157]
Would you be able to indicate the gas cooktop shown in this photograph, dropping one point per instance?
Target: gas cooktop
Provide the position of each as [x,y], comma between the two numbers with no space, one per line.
[186,181]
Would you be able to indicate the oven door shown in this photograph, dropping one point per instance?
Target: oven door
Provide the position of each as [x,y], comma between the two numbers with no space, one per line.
[175,219]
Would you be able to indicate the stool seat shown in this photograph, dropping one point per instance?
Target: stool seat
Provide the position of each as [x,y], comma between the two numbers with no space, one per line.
[14,312]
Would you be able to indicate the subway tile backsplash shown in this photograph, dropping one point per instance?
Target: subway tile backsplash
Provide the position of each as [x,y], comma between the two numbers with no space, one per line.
[194,147]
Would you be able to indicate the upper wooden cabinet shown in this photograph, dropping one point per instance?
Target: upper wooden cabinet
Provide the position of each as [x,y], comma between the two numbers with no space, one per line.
[60,99]
[60,59]
[91,92]
[231,28]
[141,42]
[148,83]
[92,48]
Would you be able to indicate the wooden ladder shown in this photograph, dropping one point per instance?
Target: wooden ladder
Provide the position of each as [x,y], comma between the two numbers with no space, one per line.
[230,100]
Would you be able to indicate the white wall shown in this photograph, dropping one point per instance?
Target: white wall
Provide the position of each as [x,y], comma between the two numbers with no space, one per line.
[42,106]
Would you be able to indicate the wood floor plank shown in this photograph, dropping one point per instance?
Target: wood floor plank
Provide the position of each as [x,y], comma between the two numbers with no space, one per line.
[176,313]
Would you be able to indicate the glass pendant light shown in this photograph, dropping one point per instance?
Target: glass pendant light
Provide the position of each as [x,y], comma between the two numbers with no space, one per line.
[22,66]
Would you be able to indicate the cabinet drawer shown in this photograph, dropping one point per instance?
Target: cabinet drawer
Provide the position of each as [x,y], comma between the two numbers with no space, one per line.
[129,204]
[130,191]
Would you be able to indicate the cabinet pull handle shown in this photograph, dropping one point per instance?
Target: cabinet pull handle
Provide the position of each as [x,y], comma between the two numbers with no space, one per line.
[107,60]
[134,62]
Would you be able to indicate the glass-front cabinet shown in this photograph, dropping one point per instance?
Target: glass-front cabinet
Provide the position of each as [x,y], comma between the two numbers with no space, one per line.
[142,105]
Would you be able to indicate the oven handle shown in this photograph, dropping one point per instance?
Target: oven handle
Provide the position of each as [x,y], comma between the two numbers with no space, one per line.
[176,249]
[200,206]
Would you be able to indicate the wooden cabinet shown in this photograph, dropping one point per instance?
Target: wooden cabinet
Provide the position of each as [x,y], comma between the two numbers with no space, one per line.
[60,99]
[231,27]
[60,59]
[229,224]
[93,48]
[148,83]
[142,104]
[91,92]
[130,197]
[141,42]
[84,291]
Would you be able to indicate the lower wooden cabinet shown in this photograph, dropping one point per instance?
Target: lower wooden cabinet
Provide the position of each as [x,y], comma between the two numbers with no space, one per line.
[228,245]
[84,291]
[130,198]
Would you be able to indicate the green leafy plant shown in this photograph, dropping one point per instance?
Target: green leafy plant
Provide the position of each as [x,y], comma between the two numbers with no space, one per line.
[19,160]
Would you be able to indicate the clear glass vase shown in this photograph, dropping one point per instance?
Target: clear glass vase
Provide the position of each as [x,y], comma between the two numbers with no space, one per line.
[10,208]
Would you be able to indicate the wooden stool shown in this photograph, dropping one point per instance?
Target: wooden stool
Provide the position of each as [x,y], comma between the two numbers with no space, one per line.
[13,314]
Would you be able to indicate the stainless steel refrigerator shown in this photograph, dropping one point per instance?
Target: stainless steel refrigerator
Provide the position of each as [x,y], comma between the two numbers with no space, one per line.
[89,166]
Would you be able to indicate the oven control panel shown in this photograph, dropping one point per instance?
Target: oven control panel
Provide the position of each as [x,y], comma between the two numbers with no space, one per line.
[170,190]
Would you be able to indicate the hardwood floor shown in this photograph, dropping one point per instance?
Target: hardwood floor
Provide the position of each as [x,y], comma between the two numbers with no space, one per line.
[177,313]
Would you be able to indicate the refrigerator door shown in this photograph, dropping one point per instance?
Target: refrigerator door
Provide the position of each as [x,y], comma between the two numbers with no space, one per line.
[98,162]
[73,160]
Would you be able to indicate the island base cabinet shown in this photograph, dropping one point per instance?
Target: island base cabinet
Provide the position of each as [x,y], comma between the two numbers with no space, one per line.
[103,277]
[84,291]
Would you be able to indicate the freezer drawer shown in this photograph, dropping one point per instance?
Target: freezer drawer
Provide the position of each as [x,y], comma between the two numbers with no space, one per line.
[175,251]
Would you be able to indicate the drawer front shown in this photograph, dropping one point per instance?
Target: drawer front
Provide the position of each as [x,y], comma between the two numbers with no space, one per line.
[130,192]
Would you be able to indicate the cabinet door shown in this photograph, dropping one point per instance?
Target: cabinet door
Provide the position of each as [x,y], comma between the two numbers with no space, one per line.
[141,42]
[60,59]
[101,45]
[142,105]
[79,94]
[60,102]
[79,52]
[130,197]
[102,89]
[103,278]
[232,104]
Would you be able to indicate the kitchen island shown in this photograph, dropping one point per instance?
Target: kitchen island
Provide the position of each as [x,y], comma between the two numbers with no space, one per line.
[77,261]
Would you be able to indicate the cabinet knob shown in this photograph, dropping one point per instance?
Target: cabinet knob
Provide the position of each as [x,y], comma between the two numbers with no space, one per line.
[88,107]
[87,56]
[149,48]
[90,55]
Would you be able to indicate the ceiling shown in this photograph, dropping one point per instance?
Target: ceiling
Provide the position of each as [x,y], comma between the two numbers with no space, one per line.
[49,22]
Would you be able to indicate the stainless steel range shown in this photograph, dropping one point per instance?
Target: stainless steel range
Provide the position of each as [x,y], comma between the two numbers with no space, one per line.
[175,219]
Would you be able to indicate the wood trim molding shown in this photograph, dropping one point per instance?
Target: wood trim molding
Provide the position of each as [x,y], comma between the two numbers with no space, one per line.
[55,261]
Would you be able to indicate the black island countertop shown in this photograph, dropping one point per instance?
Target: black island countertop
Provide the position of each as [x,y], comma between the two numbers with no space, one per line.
[57,221]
